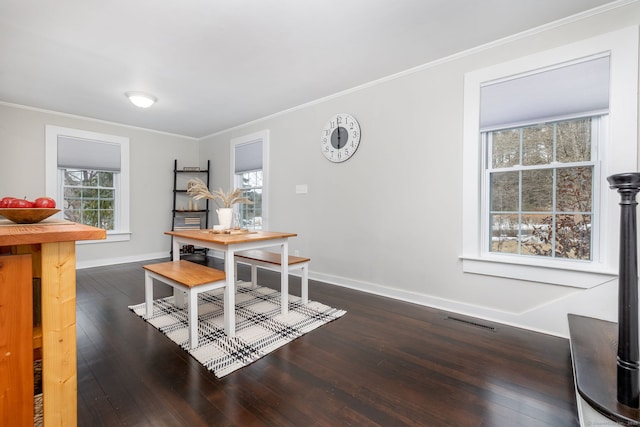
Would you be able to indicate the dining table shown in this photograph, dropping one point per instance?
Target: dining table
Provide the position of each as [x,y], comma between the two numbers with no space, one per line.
[229,243]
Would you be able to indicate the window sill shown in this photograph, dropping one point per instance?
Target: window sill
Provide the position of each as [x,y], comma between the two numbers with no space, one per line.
[112,236]
[561,275]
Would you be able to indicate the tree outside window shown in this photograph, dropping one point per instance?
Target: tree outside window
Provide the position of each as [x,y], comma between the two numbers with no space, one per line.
[541,189]
[89,197]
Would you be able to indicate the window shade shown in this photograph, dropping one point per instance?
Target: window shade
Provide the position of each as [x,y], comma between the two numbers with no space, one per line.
[87,154]
[248,157]
[565,91]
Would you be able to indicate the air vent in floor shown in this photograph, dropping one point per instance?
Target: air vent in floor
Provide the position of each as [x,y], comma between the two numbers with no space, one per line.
[472,323]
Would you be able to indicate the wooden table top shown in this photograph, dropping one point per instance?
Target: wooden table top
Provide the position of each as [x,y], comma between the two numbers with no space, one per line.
[47,232]
[226,239]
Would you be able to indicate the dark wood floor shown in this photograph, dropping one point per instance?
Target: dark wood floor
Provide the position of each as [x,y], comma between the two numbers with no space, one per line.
[385,363]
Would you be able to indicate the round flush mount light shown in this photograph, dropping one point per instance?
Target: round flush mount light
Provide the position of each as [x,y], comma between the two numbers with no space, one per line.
[140,99]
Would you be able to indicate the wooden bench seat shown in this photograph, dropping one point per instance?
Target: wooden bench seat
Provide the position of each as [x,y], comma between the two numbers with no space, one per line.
[271,261]
[186,276]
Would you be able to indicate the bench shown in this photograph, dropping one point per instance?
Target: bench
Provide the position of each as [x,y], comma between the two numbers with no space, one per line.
[186,276]
[271,261]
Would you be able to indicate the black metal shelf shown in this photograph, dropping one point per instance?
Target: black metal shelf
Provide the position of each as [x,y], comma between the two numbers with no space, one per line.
[182,213]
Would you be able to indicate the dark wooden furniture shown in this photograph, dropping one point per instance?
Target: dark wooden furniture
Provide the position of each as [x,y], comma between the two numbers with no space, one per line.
[593,348]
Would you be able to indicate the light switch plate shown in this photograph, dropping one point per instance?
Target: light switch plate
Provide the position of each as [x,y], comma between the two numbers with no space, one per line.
[301,189]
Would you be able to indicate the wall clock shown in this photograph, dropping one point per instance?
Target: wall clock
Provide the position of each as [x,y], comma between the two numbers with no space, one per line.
[340,137]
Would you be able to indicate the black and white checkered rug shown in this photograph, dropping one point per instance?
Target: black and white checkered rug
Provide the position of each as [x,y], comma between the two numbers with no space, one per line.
[260,327]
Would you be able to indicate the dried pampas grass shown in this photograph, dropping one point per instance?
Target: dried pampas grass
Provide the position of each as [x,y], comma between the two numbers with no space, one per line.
[198,189]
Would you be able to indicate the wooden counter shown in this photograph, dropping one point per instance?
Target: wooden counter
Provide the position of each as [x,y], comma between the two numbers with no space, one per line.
[51,246]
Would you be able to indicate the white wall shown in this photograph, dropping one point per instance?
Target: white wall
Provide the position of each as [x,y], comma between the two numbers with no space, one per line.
[22,173]
[389,219]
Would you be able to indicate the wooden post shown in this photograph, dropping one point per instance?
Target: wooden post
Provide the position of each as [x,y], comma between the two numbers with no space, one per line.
[628,391]
[16,352]
[59,376]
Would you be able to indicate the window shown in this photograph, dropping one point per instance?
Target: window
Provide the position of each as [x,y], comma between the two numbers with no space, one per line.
[89,197]
[250,215]
[536,128]
[249,166]
[88,176]
[540,183]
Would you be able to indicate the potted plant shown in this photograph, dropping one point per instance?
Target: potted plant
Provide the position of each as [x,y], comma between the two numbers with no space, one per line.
[225,201]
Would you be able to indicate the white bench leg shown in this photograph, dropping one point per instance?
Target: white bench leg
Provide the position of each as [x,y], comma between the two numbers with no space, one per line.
[148,294]
[254,276]
[193,318]
[304,283]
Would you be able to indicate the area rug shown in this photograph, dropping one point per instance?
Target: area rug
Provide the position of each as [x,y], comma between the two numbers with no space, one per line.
[260,326]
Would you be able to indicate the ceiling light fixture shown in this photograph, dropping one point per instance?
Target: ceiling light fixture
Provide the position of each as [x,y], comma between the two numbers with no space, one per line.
[140,99]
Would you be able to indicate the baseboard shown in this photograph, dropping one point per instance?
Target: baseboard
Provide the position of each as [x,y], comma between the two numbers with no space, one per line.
[550,318]
[120,260]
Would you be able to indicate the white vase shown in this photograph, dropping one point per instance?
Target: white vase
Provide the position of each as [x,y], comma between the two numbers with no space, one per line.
[225,217]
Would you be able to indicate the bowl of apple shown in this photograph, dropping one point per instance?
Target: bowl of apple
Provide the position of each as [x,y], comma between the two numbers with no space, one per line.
[23,211]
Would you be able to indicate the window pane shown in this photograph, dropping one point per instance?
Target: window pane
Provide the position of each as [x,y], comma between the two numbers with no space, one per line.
[504,233]
[574,189]
[106,204]
[105,179]
[573,236]
[506,148]
[106,219]
[537,190]
[106,194]
[574,141]
[504,191]
[70,193]
[537,234]
[72,177]
[537,145]
[89,178]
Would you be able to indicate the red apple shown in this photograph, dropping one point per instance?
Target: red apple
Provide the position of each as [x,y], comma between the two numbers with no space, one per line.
[4,202]
[44,202]
[20,203]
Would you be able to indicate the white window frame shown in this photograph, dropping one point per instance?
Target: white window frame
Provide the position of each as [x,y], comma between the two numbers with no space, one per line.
[263,136]
[619,154]
[54,176]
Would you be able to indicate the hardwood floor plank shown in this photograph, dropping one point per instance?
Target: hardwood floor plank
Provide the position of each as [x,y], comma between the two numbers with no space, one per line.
[385,362]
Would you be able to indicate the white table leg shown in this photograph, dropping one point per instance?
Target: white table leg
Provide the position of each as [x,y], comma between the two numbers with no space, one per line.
[254,276]
[193,318]
[304,283]
[178,296]
[284,276]
[148,294]
[230,295]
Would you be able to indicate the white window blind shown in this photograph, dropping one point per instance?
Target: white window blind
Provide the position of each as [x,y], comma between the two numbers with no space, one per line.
[569,90]
[86,154]
[248,157]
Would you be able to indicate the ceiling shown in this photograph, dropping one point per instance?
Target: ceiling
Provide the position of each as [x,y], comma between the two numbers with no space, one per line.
[216,64]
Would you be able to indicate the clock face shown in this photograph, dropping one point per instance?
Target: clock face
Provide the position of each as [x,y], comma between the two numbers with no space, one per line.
[340,137]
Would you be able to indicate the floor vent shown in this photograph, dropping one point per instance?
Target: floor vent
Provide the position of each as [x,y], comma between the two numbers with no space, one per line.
[472,323]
